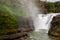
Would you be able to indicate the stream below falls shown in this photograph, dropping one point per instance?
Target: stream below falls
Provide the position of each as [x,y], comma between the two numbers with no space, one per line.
[41,35]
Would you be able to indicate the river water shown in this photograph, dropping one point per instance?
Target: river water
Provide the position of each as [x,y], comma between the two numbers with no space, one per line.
[41,35]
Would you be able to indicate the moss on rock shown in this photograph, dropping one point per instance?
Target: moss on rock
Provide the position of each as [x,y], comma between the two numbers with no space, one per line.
[8,22]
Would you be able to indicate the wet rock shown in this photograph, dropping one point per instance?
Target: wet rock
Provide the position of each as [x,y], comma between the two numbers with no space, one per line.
[23,30]
[55,27]
[22,34]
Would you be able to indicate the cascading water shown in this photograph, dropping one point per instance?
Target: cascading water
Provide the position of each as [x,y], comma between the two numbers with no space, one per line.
[42,21]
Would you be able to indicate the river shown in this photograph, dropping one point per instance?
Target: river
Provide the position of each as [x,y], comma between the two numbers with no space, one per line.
[42,35]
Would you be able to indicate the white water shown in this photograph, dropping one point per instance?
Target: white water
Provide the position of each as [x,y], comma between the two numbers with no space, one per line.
[42,21]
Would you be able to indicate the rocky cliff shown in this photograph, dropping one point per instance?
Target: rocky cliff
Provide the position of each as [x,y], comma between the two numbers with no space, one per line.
[55,27]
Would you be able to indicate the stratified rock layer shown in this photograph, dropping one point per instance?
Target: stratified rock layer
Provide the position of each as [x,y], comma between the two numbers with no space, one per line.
[55,27]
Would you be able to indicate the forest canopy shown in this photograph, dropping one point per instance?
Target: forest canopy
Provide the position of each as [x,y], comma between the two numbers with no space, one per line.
[53,7]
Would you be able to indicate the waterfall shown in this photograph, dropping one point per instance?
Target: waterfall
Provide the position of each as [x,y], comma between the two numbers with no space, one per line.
[42,21]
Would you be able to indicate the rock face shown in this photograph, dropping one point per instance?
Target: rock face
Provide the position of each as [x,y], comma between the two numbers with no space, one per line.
[55,27]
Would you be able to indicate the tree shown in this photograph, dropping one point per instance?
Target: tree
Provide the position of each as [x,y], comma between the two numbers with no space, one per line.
[57,6]
[50,7]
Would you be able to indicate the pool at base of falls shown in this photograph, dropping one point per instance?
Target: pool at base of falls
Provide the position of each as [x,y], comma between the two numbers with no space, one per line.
[40,35]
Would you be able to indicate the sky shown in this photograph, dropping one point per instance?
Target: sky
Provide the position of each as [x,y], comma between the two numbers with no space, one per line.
[50,0]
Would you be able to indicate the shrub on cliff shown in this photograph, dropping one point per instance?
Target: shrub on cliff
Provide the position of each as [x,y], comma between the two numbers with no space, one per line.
[8,22]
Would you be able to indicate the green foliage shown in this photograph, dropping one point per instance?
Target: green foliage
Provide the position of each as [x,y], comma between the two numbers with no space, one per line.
[50,7]
[7,19]
[57,6]
[53,7]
